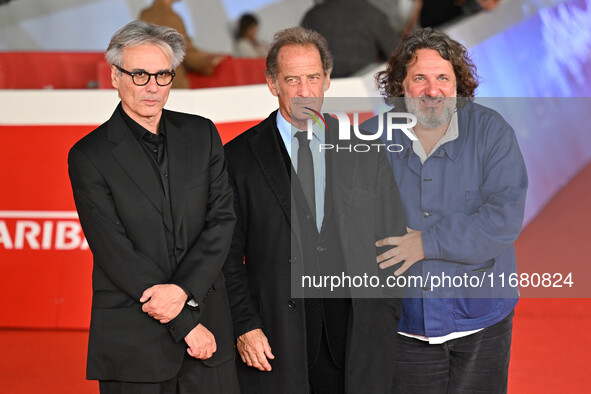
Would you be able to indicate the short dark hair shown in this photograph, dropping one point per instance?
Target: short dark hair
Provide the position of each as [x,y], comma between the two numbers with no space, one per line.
[297,36]
[244,23]
[390,81]
[138,33]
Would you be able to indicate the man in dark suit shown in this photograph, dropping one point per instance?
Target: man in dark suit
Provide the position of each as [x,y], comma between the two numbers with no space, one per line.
[152,194]
[286,229]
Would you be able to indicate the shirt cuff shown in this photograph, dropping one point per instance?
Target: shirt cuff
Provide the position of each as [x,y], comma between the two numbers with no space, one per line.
[191,301]
[429,245]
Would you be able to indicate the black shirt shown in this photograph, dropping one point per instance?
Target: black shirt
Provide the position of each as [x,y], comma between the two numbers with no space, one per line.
[154,146]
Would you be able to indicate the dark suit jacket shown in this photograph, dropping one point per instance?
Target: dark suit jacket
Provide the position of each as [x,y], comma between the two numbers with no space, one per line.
[118,197]
[367,207]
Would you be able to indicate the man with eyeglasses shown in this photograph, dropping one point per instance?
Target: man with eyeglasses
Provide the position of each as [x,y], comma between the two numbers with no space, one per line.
[152,194]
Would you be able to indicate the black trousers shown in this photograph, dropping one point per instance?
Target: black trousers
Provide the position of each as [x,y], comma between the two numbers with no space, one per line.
[477,363]
[193,378]
[324,375]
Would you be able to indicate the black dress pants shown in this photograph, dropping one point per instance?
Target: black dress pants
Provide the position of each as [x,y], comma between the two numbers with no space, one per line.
[193,378]
[325,376]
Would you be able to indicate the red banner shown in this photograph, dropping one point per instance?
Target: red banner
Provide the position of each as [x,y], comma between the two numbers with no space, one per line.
[45,262]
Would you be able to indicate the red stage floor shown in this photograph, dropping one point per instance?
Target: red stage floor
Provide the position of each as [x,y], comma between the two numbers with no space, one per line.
[551,340]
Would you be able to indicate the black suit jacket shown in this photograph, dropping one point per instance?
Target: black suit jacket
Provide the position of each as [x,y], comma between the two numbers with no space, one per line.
[367,207]
[118,197]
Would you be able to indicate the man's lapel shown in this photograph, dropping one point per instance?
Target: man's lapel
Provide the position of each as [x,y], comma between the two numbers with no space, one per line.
[265,148]
[341,169]
[133,160]
[179,165]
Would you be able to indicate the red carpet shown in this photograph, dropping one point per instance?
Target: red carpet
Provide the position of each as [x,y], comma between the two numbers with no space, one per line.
[44,362]
[551,339]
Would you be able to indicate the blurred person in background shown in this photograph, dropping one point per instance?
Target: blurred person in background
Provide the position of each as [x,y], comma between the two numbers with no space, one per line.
[196,60]
[358,33]
[397,12]
[247,42]
[434,13]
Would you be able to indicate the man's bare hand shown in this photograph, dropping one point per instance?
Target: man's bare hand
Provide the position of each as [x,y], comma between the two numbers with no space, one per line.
[254,350]
[201,343]
[409,248]
[165,302]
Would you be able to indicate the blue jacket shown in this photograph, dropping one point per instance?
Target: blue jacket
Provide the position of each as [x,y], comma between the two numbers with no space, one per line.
[468,200]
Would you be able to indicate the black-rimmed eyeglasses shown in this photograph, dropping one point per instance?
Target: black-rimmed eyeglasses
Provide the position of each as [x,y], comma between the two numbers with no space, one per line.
[141,78]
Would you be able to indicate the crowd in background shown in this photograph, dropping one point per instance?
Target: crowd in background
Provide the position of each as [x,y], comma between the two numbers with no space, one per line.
[360,33]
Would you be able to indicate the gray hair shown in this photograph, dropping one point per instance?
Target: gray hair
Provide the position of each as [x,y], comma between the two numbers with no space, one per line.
[139,33]
[297,36]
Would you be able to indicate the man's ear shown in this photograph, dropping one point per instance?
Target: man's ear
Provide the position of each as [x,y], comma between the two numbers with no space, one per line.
[327,83]
[114,77]
[272,84]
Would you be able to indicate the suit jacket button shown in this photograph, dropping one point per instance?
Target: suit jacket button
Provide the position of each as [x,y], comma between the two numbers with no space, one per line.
[291,304]
[292,259]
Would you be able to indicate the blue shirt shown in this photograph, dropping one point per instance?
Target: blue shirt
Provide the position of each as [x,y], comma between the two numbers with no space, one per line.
[287,132]
[468,200]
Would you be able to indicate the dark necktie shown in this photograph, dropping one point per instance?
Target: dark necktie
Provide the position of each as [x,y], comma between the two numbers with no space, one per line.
[306,170]
[312,306]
